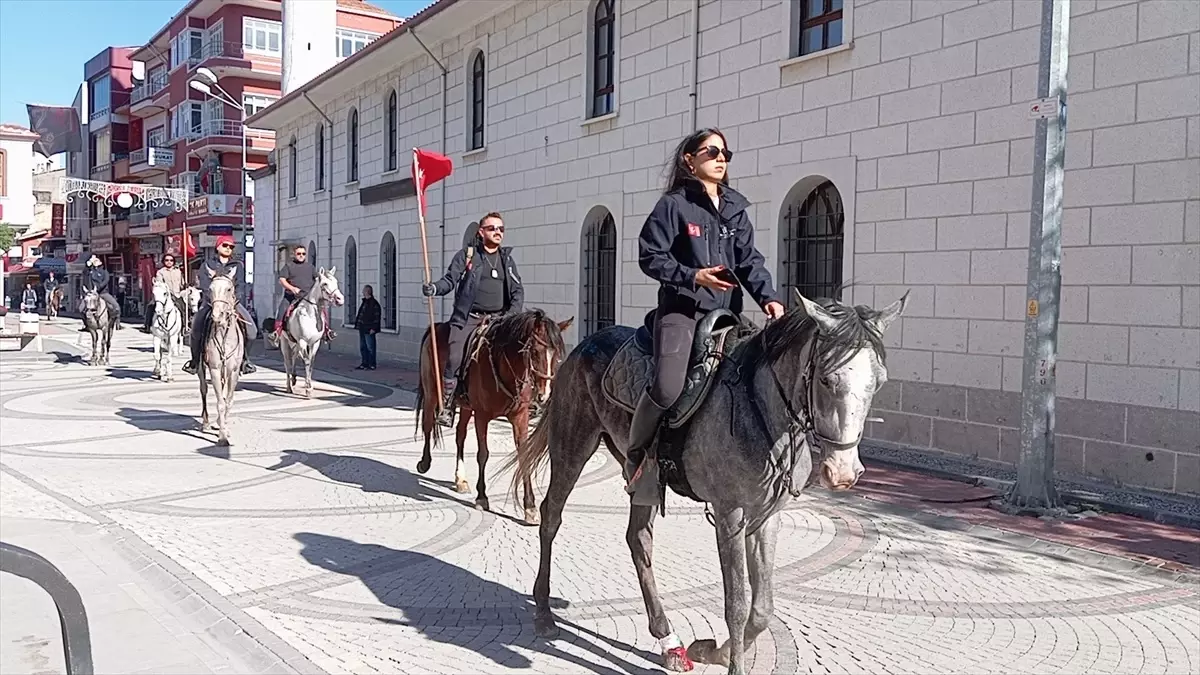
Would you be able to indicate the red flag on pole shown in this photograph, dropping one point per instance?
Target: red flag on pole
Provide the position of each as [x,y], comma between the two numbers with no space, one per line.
[427,169]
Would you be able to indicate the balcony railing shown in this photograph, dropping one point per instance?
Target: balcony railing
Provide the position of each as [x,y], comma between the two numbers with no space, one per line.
[227,128]
[218,49]
[152,156]
[149,88]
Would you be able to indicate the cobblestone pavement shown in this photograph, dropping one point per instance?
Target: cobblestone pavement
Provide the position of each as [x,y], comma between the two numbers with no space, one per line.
[313,546]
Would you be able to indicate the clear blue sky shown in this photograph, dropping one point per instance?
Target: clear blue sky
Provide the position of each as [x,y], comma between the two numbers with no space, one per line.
[44,43]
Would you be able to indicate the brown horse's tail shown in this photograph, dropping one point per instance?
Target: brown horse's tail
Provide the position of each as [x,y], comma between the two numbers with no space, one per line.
[532,454]
[422,394]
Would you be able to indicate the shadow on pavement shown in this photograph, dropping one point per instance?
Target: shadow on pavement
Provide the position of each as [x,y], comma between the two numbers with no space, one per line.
[457,607]
[184,425]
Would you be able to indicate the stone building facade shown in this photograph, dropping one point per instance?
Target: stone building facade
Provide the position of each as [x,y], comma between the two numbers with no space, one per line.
[884,143]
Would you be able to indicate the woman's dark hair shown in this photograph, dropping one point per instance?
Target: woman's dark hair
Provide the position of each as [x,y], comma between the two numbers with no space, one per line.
[678,172]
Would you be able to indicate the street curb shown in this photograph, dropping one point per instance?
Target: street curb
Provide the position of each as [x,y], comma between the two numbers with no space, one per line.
[1073,497]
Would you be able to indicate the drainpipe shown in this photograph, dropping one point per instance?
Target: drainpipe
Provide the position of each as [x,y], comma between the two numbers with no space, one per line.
[441,184]
[695,84]
[328,176]
[275,287]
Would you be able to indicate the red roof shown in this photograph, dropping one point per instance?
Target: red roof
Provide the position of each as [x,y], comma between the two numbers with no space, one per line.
[360,6]
[17,131]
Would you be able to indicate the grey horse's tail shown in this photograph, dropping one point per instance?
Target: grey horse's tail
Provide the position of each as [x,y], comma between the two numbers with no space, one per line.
[533,453]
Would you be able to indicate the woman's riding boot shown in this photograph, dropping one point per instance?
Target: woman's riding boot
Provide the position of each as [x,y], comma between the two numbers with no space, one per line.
[446,415]
[641,475]
[247,366]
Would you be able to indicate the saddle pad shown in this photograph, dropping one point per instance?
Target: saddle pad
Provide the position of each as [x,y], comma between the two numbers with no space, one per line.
[629,374]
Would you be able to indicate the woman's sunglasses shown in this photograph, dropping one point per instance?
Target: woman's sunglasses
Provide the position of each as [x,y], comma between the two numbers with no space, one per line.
[713,152]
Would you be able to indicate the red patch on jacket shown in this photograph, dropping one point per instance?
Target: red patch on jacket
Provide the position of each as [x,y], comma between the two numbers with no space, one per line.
[694,230]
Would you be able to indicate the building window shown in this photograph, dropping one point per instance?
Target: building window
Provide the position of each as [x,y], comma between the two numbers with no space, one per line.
[352,147]
[604,53]
[262,36]
[392,127]
[256,103]
[813,241]
[100,94]
[312,252]
[351,41]
[4,173]
[292,168]
[186,47]
[351,287]
[319,157]
[477,97]
[820,26]
[599,273]
[156,137]
[387,280]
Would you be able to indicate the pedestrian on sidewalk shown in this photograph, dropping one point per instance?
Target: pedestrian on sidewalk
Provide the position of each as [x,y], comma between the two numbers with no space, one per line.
[368,323]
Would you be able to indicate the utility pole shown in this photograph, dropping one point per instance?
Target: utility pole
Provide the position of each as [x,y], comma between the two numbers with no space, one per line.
[1034,488]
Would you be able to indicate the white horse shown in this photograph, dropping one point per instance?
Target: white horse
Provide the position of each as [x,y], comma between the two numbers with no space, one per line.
[221,357]
[306,326]
[167,329]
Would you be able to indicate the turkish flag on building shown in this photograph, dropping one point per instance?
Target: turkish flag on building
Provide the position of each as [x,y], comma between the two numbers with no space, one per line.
[428,168]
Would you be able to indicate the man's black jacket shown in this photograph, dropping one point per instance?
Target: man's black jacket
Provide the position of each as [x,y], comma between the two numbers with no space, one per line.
[464,280]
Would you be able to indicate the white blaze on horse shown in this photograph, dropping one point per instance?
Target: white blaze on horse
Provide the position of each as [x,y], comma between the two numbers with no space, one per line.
[221,357]
[305,326]
[167,329]
[100,323]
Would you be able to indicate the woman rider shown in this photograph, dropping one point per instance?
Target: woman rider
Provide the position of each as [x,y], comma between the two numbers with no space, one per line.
[698,243]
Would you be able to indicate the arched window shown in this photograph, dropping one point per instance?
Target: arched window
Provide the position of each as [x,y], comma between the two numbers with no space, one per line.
[312,253]
[478,95]
[350,291]
[319,157]
[387,280]
[293,167]
[599,273]
[352,146]
[392,111]
[604,54]
[813,239]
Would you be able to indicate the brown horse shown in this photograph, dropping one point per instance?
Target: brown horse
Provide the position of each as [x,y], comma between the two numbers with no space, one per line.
[509,373]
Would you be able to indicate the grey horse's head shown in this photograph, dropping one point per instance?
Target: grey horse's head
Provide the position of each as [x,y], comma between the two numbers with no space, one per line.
[327,280]
[223,295]
[92,302]
[845,366]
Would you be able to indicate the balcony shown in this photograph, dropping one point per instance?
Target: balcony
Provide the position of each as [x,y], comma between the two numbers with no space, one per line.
[151,160]
[231,58]
[226,136]
[142,100]
[102,172]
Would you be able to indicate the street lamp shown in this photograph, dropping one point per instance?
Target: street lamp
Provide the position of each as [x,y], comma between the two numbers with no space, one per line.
[204,81]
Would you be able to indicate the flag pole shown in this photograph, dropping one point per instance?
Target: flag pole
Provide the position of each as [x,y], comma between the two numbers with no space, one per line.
[419,185]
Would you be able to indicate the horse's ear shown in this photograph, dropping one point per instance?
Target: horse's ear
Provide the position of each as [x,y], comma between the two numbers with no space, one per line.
[321,271]
[892,312]
[563,326]
[817,313]
[333,271]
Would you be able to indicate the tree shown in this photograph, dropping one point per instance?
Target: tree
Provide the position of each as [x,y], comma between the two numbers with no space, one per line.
[8,236]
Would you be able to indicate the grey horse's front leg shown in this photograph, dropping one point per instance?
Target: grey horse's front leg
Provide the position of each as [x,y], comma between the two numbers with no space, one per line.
[731,547]
[760,561]
[640,537]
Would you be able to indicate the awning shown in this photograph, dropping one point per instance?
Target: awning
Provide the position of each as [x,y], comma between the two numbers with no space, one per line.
[56,265]
[17,269]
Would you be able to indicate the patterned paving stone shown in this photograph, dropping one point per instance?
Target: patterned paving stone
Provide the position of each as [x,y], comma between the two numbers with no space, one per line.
[313,545]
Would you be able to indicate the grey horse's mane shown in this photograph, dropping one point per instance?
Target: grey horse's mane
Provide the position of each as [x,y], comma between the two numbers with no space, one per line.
[854,329]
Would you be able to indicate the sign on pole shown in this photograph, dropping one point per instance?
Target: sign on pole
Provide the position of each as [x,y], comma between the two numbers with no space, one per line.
[1035,466]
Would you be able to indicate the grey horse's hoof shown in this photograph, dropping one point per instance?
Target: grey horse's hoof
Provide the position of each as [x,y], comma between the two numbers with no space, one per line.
[706,651]
[545,626]
[482,504]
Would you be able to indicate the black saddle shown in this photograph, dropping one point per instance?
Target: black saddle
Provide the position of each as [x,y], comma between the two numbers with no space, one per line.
[632,368]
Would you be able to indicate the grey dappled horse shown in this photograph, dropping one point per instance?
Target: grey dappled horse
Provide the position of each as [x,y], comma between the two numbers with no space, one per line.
[100,324]
[221,355]
[306,327]
[804,383]
[167,329]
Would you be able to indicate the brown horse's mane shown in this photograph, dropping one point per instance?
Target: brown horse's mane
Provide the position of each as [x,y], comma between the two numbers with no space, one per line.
[516,331]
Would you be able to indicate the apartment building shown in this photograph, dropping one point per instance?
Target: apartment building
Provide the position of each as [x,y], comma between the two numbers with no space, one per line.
[886,143]
[183,138]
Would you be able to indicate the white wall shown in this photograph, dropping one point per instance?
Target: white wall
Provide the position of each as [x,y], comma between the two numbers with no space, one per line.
[18,200]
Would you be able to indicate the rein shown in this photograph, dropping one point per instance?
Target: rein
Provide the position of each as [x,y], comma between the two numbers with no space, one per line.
[530,372]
